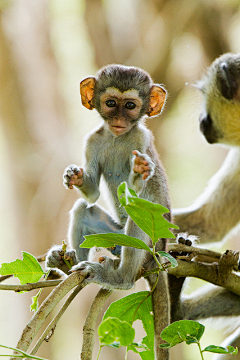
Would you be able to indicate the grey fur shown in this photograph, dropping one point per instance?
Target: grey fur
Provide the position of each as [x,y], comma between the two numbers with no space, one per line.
[116,148]
[217,211]
[110,156]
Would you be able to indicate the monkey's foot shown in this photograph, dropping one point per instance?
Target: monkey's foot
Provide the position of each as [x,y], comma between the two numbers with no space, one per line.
[105,273]
[183,238]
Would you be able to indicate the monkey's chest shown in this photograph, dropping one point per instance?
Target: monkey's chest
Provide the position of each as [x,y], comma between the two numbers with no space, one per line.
[115,160]
[116,170]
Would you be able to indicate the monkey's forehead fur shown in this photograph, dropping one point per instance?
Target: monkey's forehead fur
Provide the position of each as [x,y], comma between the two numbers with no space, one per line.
[208,80]
[123,78]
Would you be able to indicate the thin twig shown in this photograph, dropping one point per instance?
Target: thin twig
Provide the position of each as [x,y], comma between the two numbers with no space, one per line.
[90,323]
[31,286]
[53,323]
[46,307]
[193,249]
[5,277]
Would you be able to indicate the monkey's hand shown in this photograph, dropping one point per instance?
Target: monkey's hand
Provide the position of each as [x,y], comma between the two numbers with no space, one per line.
[56,258]
[142,164]
[73,175]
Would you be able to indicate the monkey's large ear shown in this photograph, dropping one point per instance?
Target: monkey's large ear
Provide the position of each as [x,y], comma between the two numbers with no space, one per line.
[157,99]
[87,92]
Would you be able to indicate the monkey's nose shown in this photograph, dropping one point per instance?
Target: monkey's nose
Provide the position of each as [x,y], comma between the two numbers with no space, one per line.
[207,128]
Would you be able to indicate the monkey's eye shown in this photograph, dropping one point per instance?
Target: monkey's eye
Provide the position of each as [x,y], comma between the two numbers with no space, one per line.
[111,103]
[130,105]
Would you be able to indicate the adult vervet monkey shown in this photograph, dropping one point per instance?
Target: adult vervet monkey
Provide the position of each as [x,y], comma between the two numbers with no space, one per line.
[217,211]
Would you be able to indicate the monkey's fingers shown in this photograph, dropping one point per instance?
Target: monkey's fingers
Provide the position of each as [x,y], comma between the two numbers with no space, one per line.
[76,182]
[80,173]
[140,161]
[76,178]
[146,175]
[138,169]
[135,152]
[141,168]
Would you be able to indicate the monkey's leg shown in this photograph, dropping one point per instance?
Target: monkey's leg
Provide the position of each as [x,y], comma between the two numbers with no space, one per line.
[208,302]
[88,219]
[85,219]
[105,272]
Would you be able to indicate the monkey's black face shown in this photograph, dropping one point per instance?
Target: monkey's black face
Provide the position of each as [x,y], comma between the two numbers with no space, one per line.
[207,128]
[228,79]
[220,122]
[121,110]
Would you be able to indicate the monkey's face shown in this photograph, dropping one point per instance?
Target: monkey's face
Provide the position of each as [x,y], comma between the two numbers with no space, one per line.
[120,110]
[220,121]
[122,95]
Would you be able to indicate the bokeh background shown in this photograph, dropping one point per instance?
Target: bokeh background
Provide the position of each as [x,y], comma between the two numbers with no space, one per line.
[46,48]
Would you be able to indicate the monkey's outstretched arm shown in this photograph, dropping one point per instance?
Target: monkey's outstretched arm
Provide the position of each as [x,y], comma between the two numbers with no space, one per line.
[85,179]
[216,211]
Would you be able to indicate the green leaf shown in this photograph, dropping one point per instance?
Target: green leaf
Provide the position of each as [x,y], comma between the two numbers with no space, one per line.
[34,305]
[27,270]
[170,258]
[183,330]
[112,239]
[125,309]
[135,346]
[191,340]
[221,350]
[147,215]
[129,194]
[112,330]
[232,350]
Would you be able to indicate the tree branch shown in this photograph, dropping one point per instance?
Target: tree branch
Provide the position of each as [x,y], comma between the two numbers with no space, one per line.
[201,255]
[207,272]
[51,327]
[90,323]
[194,250]
[46,307]
[31,286]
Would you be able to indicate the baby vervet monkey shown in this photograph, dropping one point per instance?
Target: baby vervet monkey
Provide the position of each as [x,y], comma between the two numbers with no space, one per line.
[121,149]
[217,210]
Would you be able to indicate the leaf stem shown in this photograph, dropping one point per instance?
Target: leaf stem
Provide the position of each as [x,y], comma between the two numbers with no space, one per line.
[156,259]
[22,354]
[100,348]
[160,268]
[199,346]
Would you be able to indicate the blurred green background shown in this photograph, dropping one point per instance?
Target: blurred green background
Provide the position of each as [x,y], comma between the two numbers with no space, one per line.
[46,48]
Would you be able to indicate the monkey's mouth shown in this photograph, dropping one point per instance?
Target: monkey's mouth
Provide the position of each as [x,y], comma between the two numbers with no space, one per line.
[118,129]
